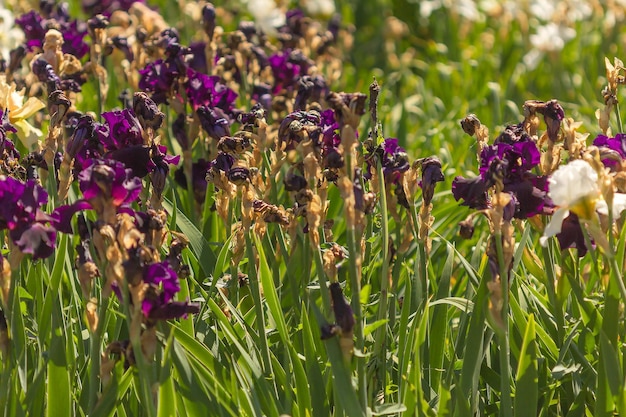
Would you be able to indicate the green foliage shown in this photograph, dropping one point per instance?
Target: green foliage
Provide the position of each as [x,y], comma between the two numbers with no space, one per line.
[257,349]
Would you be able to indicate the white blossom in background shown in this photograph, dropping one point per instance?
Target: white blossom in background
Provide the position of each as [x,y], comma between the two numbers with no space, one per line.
[267,15]
[501,7]
[464,8]
[10,35]
[321,8]
[548,38]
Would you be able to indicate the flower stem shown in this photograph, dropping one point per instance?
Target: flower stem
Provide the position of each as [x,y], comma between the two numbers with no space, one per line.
[616,271]
[95,343]
[145,377]
[355,284]
[381,333]
[506,403]
[620,127]
[323,280]
[258,307]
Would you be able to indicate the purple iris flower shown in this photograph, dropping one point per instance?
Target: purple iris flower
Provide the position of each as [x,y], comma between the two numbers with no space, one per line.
[34,29]
[571,235]
[107,7]
[286,71]
[120,138]
[522,157]
[5,124]
[198,60]
[159,303]
[394,160]
[109,180]
[121,129]
[107,185]
[198,178]
[508,161]
[73,31]
[331,139]
[8,152]
[205,90]
[20,212]
[158,78]
[214,121]
[615,144]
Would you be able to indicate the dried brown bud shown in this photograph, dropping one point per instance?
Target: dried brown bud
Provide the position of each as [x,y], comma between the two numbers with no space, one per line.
[470,123]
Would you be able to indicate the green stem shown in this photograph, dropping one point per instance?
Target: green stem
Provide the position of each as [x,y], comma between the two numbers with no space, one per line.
[616,271]
[619,118]
[323,280]
[8,364]
[381,333]
[145,377]
[421,287]
[550,276]
[95,343]
[355,302]
[506,403]
[258,307]
[355,284]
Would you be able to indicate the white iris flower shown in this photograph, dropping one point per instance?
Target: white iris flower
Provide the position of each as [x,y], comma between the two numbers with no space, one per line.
[574,187]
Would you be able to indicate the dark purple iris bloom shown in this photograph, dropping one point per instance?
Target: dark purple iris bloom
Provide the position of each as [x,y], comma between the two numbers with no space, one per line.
[310,88]
[205,90]
[198,60]
[158,78]
[521,157]
[198,177]
[163,277]
[109,180]
[286,72]
[5,124]
[8,152]
[85,143]
[262,94]
[473,192]
[73,39]
[214,122]
[121,129]
[571,235]
[530,192]
[35,28]
[331,139]
[394,160]
[20,213]
[7,149]
[159,303]
[508,161]
[222,162]
[616,144]
[107,7]
[120,138]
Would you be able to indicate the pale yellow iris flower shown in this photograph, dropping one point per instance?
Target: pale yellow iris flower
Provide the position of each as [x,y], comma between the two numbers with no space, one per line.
[19,111]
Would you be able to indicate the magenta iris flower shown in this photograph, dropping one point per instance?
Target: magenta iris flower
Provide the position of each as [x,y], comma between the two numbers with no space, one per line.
[110,180]
[616,144]
[205,90]
[20,213]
